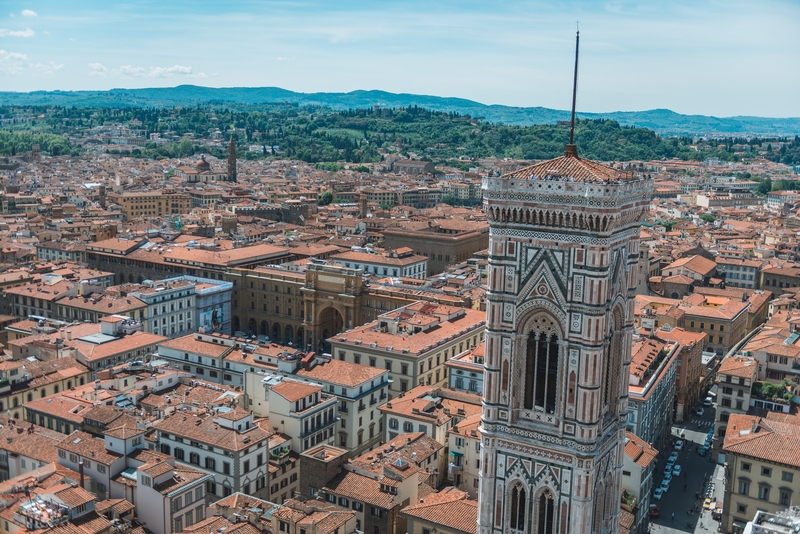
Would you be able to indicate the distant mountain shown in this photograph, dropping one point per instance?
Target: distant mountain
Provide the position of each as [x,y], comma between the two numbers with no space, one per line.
[663,121]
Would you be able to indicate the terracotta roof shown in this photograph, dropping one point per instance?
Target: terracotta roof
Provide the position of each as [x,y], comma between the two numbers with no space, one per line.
[294,391]
[637,450]
[568,166]
[451,509]
[738,366]
[770,440]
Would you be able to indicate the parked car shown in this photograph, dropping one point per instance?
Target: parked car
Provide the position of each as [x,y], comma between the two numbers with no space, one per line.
[679,445]
[676,471]
[699,411]
[657,496]
[667,478]
[668,469]
[655,510]
[707,504]
[673,457]
[664,486]
[707,402]
[703,450]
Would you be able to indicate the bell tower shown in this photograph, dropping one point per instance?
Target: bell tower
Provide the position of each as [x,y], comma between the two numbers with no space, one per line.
[232,160]
[563,251]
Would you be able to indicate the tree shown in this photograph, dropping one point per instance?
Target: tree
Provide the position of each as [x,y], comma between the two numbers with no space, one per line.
[185,148]
[707,217]
[668,225]
[449,199]
[325,198]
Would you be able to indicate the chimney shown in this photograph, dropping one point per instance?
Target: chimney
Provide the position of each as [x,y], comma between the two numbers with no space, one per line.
[80,472]
[69,335]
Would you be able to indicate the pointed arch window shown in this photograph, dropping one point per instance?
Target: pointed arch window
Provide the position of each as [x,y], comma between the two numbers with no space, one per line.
[518,505]
[541,373]
[546,508]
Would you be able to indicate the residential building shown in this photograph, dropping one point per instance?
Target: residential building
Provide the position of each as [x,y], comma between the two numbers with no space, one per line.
[739,272]
[638,479]
[429,409]
[444,242]
[778,278]
[26,451]
[723,320]
[171,306]
[449,512]
[464,465]
[412,342]
[466,370]
[690,369]
[358,388]
[313,517]
[229,445]
[763,471]
[651,390]
[401,262]
[306,413]
[152,203]
[735,379]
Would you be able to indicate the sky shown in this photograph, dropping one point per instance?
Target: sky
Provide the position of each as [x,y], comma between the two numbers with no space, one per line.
[708,57]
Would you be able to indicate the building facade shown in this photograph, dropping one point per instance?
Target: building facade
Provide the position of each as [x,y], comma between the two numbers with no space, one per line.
[563,257]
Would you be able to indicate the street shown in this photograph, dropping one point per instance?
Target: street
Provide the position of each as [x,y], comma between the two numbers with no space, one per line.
[694,468]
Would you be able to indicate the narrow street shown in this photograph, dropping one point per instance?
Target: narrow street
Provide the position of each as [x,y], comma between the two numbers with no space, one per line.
[694,468]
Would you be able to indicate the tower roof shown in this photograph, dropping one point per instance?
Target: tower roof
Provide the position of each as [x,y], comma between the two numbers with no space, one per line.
[570,167]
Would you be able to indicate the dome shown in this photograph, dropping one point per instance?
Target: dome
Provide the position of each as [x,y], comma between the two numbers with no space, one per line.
[202,165]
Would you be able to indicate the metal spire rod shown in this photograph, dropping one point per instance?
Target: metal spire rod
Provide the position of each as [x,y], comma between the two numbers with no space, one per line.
[574,90]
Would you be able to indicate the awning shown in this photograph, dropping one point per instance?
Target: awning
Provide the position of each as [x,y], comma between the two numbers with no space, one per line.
[454,453]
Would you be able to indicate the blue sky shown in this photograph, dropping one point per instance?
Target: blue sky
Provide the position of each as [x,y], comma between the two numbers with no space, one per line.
[703,56]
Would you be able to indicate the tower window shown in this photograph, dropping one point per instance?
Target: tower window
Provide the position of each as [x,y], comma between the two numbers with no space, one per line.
[518,504]
[545,512]
[541,373]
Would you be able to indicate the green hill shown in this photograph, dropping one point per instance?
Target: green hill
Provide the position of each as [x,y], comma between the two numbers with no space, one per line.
[662,121]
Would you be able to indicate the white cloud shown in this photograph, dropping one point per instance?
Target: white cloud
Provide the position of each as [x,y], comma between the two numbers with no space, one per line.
[279,58]
[27,32]
[12,62]
[29,13]
[98,69]
[48,69]
[131,71]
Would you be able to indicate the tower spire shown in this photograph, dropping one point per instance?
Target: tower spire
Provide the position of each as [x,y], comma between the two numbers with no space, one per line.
[571,149]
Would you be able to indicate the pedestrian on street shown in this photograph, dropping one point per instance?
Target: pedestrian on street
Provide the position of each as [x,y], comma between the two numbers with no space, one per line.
[673,516]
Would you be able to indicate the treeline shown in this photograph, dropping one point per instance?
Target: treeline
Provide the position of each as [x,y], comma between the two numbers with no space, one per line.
[316,135]
[13,143]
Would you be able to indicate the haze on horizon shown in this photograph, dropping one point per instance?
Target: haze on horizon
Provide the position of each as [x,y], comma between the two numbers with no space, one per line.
[704,57]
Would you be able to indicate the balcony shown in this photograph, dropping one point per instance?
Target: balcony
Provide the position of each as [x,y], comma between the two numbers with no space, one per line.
[342,408]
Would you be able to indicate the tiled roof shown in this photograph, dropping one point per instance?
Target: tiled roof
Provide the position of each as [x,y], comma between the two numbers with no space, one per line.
[451,509]
[637,450]
[567,166]
[770,440]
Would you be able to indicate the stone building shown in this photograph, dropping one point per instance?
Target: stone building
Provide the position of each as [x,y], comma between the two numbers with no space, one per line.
[563,259]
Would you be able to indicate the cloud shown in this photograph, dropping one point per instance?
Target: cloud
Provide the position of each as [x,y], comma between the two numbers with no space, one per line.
[131,71]
[12,62]
[97,69]
[279,58]
[49,69]
[29,13]
[27,32]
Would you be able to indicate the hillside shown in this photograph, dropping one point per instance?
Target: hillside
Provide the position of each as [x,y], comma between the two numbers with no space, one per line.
[662,121]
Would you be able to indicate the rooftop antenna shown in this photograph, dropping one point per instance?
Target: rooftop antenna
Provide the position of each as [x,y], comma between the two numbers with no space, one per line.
[571,149]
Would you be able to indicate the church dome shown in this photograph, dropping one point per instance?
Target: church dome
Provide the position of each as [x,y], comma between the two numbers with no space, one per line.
[202,165]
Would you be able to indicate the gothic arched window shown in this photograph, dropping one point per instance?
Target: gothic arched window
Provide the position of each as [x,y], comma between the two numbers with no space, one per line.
[541,373]
[546,509]
[518,506]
